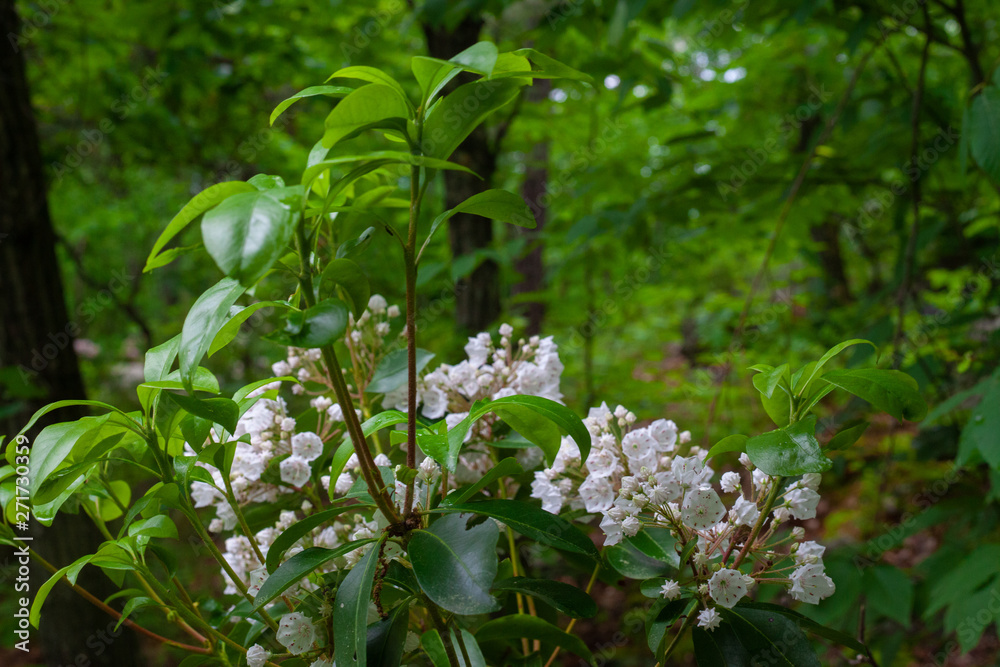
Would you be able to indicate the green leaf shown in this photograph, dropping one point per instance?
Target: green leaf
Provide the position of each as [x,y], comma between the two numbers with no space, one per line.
[719,647]
[505,468]
[450,122]
[790,450]
[133,604]
[661,617]
[830,354]
[889,592]
[847,436]
[159,525]
[291,535]
[984,131]
[203,201]
[570,600]
[807,623]
[298,566]
[202,323]
[534,427]
[386,638]
[981,433]
[353,247]
[493,204]
[350,609]
[656,543]
[515,626]
[323,324]
[392,370]
[767,381]
[966,577]
[239,315]
[347,275]
[629,561]
[311,91]
[222,411]
[54,444]
[160,359]
[41,412]
[731,443]
[249,232]
[480,58]
[71,572]
[433,645]
[532,522]
[371,75]
[550,68]
[769,636]
[455,565]
[370,106]
[891,391]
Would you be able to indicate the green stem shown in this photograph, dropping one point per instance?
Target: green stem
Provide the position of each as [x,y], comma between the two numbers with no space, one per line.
[442,629]
[336,374]
[768,504]
[688,622]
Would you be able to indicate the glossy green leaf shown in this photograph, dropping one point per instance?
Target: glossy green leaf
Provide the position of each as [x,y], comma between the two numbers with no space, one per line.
[550,68]
[830,354]
[731,443]
[311,91]
[456,565]
[981,434]
[160,525]
[661,617]
[222,411]
[450,122]
[371,75]
[202,323]
[239,315]
[836,636]
[160,359]
[365,107]
[505,468]
[514,626]
[392,370]
[984,130]
[385,640]
[54,444]
[570,600]
[847,436]
[70,572]
[298,566]
[768,380]
[291,535]
[533,522]
[790,450]
[630,562]
[205,200]
[891,391]
[769,636]
[355,246]
[249,232]
[350,609]
[323,324]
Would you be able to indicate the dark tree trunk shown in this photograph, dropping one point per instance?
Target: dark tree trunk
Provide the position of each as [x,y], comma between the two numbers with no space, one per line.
[831,261]
[531,264]
[477,297]
[36,349]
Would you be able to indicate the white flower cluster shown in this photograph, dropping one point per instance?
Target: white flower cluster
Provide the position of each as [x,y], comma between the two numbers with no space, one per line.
[636,477]
[491,371]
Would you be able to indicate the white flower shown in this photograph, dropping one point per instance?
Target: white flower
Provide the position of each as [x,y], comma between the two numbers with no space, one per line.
[808,552]
[639,448]
[810,480]
[321,403]
[257,579]
[664,432]
[744,512]
[612,530]
[392,311]
[324,662]
[798,533]
[550,495]
[506,330]
[343,484]
[435,403]
[745,461]
[730,482]
[702,508]
[296,633]
[377,304]
[810,583]
[295,471]
[802,503]
[307,446]
[670,589]
[631,525]
[727,587]
[257,656]
[601,462]
[383,461]
[335,413]
[429,470]
[709,619]
[597,494]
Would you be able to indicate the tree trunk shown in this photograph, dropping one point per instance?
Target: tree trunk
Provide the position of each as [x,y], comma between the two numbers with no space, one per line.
[477,297]
[40,365]
[531,264]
